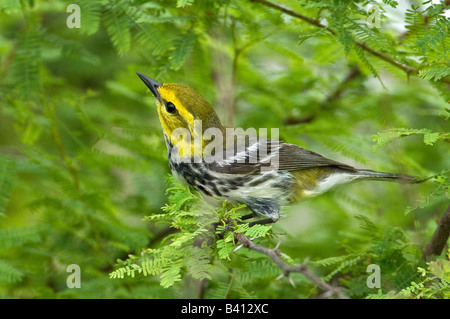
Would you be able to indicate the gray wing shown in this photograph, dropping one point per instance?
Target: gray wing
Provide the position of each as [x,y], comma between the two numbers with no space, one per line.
[290,157]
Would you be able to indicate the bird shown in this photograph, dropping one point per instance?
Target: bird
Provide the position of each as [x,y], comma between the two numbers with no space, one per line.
[242,172]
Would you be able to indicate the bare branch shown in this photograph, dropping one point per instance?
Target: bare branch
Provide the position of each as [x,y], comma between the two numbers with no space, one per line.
[440,236]
[275,254]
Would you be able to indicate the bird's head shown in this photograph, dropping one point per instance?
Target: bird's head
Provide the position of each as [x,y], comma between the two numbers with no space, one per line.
[180,107]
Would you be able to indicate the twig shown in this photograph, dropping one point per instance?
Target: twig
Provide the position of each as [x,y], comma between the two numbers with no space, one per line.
[62,152]
[334,96]
[7,60]
[354,73]
[295,14]
[275,254]
[440,236]
[409,70]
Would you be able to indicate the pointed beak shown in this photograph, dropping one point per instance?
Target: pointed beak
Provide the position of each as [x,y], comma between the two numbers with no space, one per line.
[151,84]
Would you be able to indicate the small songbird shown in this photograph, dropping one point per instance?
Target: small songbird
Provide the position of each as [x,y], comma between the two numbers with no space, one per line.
[244,173]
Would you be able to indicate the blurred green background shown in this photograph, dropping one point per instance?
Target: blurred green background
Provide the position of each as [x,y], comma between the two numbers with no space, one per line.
[82,158]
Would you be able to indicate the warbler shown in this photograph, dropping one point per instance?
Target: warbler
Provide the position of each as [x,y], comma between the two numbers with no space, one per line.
[236,174]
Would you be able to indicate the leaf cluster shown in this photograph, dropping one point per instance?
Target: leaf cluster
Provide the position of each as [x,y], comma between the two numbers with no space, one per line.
[195,242]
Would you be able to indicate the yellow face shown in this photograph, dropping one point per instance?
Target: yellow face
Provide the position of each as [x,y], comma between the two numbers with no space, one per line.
[175,117]
[180,107]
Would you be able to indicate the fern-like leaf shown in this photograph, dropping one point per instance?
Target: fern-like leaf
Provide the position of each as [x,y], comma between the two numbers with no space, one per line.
[182,50]
[183,3]
[9,273]
[436,72]
[91,13]
[118,27]
[391,3]
[25,67]
[15,237]
[429,138]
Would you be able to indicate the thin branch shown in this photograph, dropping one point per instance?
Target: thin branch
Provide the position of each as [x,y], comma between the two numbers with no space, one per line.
[440,236]
[334,96]
[295,14]
[62,152]
[275,254]
[388,59]
[7,60]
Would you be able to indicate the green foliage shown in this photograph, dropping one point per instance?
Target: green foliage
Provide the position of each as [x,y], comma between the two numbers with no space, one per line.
[396,256]
[190,246]
[441,181]
[15,238]
[436,73]
[439,192]
[82,158]
[429,137]
[433,283]
[182,3]
[118,26]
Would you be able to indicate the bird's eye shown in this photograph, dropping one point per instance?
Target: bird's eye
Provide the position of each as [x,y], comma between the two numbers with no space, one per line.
[170,107]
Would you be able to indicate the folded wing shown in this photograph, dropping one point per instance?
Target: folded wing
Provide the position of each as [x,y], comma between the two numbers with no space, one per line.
[268,153]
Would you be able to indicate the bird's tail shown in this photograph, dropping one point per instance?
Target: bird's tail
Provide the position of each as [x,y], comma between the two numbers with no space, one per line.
[381,176]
